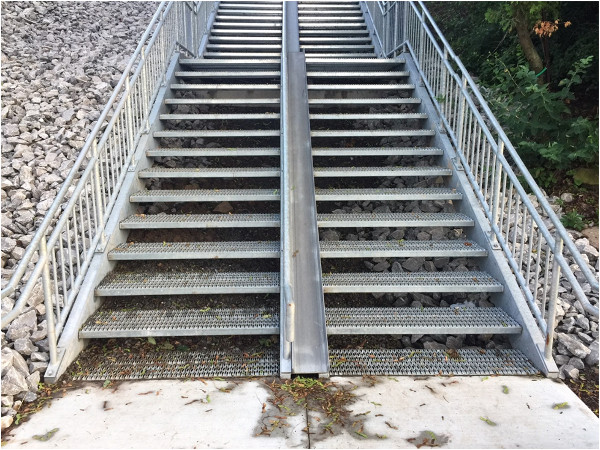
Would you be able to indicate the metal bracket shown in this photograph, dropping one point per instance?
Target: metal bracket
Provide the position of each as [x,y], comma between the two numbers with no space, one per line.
[457,164]
[493,242]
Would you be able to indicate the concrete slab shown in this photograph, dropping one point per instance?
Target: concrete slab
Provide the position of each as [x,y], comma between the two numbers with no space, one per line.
[466,412]
[227,414]
[161,414]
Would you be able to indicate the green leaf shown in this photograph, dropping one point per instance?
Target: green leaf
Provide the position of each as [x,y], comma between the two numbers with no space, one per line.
[45,437]
[151,340]
[218,379]
[505,389]
[106,384]
[208,399]
[361,434]
[488,421]
[563,405]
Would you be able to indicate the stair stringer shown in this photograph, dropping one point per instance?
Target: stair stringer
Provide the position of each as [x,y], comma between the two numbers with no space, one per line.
[86,303]
[531,341]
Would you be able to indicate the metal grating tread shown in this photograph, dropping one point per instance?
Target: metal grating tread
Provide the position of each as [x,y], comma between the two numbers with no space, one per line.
[240,55]
[175,221]
[452,320]
[349,116]
[187,283]
[208,151]
[227,87]
[400,249]
[394,220]
[238,64]
[357,133]
[213,133]
[210,172]
[261,116]
[205,195]
[136,251]
[387,194]
[178,364]
[107,323]
[357,74]
[377,151]
[410,282]
[359,87]
[429,362]
[381,171]
[222,101]
[363,101]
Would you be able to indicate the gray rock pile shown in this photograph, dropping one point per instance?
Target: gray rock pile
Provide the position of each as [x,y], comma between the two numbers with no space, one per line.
[60,63]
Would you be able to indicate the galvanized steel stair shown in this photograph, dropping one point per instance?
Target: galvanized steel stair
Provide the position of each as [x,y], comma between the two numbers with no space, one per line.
[371,145]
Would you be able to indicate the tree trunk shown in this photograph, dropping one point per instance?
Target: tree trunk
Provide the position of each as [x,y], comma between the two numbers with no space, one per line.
[524,35]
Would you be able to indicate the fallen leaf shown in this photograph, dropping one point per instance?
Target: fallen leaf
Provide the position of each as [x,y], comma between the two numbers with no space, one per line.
[562,405]
[505,389]
[488,421]
[45,437]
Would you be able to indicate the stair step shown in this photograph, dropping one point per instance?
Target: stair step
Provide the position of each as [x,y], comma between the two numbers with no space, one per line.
[381,171]
[223,101]
[370,64]
[261,116]
[246,6]
[223,12]
[340,48]
[226,87]
[359,74]
[342,55]
[245,40]
[400,249]
[354,18]
[318,6]
[333,40]
[267,20]
[404,282]
[399,220]
[454,319]
[188,283]
[363,101]
[137,251]
[307,33]
[274,25]
[213,133]
[244,46]
[210,172]
[384,116]
[360,87]
[387,194]
[107,323]
[331,25]
[195,221]
[350,133]
[237,64]
[229,74]
[206,195]
[356,14]
[241,55]
[249,32]
[249,151]
[183,365]
[376,151]
[428,362]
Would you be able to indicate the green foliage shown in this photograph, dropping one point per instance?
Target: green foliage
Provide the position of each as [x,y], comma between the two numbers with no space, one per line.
[539,121]
[573,220]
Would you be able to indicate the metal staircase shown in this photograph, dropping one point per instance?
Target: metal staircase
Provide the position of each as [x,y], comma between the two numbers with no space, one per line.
[294,180]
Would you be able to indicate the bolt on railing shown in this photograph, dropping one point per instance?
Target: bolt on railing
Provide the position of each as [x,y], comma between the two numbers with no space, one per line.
[488,157]
[76,228]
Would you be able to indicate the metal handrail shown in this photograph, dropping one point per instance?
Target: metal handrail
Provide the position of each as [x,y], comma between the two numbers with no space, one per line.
[78,227]
[483,157]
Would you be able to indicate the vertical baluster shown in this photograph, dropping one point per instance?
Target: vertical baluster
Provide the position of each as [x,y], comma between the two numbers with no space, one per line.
[538,265]
[553,297]
[523,232]
[48,302]
[510,200]
[546,279]
[530,248]
[502,198]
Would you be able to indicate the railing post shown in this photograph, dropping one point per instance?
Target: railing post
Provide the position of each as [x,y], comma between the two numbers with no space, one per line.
[48,301]
[461,116]
[496,192]
[550,317]
[129,112]
[98,194]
